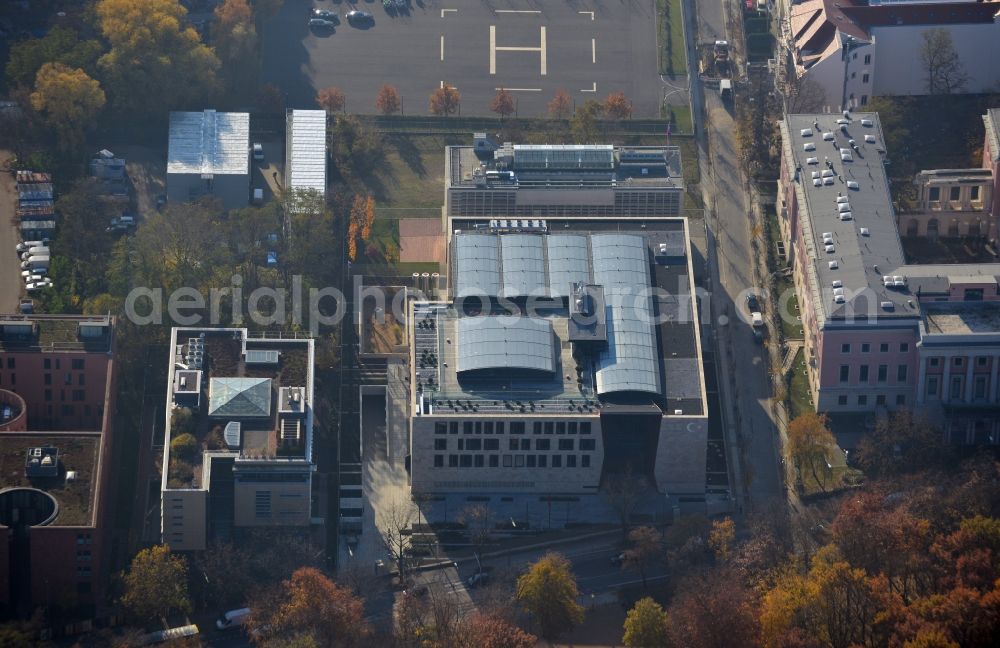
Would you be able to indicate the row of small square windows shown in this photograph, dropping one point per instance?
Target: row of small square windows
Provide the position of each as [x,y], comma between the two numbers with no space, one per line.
[516,427]
[516,444]
[882,348]
[510,461]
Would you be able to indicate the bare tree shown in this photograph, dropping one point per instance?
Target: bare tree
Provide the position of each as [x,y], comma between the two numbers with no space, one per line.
[394,524]
[646,550]
[803,95]
[623,492]
[476,519]
[945,73]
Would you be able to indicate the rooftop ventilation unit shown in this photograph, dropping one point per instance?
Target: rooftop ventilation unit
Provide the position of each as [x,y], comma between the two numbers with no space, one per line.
[851,184]
[806,132]
[870,139]
[808,146]
[834,265]
[864,231]
[867,123]
[828,136]
[837,283]
[812,160]
[888,305]
[846,216]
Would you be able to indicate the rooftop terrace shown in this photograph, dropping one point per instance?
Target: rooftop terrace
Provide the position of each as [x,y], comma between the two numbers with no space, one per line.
[962,318]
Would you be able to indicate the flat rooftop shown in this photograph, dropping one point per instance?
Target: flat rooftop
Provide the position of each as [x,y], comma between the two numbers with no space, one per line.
[846,214]
[209,143]
[962,318]
[523,166]
[241,381]
[643,360]
[79,453]
[55,333]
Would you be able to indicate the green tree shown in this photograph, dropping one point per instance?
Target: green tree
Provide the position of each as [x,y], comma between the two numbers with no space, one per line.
[60,45]
[583,126]
[809,440]
[646,625]
[69,100]
[157,61]
[548,592]
[356,147]
[185,446]
[156,584]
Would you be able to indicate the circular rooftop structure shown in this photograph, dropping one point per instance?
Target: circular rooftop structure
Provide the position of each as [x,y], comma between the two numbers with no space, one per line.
[12,411]
[27,507]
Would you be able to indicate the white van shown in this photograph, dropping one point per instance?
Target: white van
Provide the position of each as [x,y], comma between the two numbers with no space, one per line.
[36,263]
[24,246]
[38,250]
[232,618]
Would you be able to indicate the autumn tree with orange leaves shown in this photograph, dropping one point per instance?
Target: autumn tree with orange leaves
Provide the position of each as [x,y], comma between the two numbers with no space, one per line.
[503,103]
[332,99]
[617,106]
[387,101]
[309,605]
[561,106]
[445,100]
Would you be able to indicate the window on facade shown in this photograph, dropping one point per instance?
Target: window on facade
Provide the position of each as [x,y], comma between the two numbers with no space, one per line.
[491,444]
[479,427]
[47,363]
[868,59]
[561,427]
[453,427]
[479,460]
[549,427]
[587,444]
[863,399]
[865,77]
[932,386]
[488,427]
[77,364]
[981,361]
[979,389]
[507,461]
[439,461]
[974,193]
[935,362]
[440,428]
[494,461]
[474,444]
[884,347]
[956,387]
[863,373]
[973,294]
[901,373]
[880,399]
[842,399]
[453,461]
[572,427]
[864,99]
[954,193]
[557,461]
[467,427]
[543,461]
[904,347]
[465,461]
[512,444]
[11,364]
[537,428]
[585,461]
[934,194]
[845,348]
[571,461]
[958,361]
[565,444]
[48,379]
[854,75]
[519,461]
[517,427]
[531,461]
[440,444]
[900,399]
[499,427]
[585,427]
[543,444]
[865,348]
[845,373]
[461,444]
[883,373]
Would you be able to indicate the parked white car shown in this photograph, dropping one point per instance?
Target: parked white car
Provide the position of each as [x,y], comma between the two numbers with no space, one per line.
[35,286]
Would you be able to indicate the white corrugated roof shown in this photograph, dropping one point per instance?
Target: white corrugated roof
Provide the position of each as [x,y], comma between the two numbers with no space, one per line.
[209,143]
[306,150]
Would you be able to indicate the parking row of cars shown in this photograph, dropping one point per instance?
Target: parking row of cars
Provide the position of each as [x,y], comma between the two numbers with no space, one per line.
[326,19]
[34,256]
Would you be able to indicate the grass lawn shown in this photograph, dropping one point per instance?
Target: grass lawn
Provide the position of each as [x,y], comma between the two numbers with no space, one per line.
[799,398]
[673,60]
[411,178]
[835,475]
[681,118]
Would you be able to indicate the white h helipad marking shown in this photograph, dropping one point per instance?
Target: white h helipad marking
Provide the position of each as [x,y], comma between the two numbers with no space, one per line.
[442,47]
[594,89]
[519,89]
[541,49]
[587,13]
[593,49]
[449,11]
[517,11]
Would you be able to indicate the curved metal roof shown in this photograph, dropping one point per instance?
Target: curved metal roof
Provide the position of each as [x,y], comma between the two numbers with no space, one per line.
[475,265]
[523,262]
[630,362]
[569,262]
[505,342]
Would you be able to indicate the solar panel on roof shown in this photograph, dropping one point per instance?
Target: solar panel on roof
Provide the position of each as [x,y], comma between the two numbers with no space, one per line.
[522,263]
[505,343]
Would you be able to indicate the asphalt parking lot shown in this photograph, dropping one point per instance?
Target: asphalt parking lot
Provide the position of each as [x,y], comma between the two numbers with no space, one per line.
[590,48]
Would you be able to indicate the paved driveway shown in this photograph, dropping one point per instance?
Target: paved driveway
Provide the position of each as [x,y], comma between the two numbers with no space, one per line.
[589,48]
[10,269]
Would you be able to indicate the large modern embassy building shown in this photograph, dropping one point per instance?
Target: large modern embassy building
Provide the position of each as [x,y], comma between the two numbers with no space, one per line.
[563,352]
